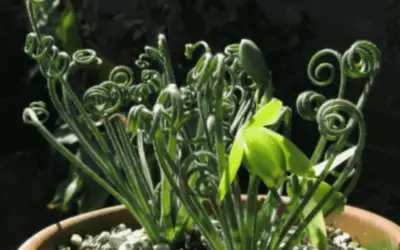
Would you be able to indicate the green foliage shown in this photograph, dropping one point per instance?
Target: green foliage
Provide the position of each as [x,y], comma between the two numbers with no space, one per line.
[316,227]
[252,61]
[200,133]
[264,152]
[68,31]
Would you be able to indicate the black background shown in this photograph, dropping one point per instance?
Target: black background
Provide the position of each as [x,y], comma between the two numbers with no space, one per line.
[288,32]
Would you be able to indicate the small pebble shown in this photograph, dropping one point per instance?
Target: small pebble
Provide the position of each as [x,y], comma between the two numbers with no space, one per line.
[126,246]
[337,232]
[123,238]
[103,237]
[76,240]
[106,246]
[64,248]
[118,228]
[161,246]
[353,244]
[116,241]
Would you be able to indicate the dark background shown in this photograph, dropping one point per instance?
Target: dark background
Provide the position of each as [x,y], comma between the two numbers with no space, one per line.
[288,32]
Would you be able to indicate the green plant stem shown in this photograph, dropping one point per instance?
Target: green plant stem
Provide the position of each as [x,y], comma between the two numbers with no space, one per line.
[32,18]
[251,212]
[242,112]
[67,91]
[264,221]
[320,147]
[78,163]
[195,208]
[143,161]
[295,214]
[148,224]
[130,182]
[203,121]
[335,188]
[167,198]
[221,156]
[344,174]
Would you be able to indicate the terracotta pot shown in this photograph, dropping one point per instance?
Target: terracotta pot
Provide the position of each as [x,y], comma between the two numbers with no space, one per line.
[365,226]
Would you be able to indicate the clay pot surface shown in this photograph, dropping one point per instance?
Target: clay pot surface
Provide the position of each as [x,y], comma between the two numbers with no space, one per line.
[368,228]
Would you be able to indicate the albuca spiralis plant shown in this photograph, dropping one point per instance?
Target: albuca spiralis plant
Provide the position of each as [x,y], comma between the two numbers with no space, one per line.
[202,131]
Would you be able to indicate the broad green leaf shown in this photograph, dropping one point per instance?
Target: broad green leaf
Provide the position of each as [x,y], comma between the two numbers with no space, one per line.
[235,159]
[68,31]
[268,114]
[107,65]
[72,189]
[296,161]
[263,156]
[337,198]
[316,228]
[183,222]
[252,61]
[319,194]
[94,196]
[58,197]
[340,158]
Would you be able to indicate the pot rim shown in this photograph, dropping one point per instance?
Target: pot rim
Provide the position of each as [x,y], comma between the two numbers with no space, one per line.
[36,239]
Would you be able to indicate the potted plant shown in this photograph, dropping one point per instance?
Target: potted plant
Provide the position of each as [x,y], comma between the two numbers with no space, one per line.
[200,132]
